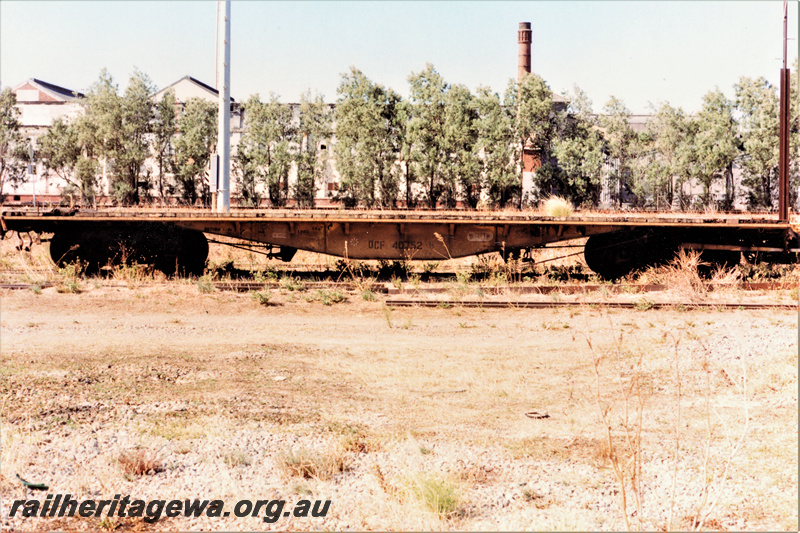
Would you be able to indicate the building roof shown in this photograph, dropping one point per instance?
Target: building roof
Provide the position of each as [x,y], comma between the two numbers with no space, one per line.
[60,90]
[48,92]
[195,81]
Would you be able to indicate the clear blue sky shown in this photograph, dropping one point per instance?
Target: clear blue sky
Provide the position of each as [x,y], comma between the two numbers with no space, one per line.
[640,51]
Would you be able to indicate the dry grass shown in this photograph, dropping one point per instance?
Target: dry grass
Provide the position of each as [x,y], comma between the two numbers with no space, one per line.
[556,206]
[140,463]
[682,274]
[436,493]
[312,464]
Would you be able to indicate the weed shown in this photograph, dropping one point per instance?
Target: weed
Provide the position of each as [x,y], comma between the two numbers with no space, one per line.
[330,297]
[205,284]
[292,284]
[326,297]
[139,463]
[368,295]
[262,297]
[71,287]
[387,313]
[313,465]
[357,441]
[108,524]
[436,493]
[134,275]
[643,304]
[430,266]
[236,458]
[683,275]
[36,289]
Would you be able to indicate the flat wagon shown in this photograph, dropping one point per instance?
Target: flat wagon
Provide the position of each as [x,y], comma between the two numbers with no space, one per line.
[614,244]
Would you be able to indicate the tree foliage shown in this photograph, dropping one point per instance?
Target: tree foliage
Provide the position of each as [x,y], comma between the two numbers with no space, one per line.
[165,127]
[496,144]
[717,147]
[461,172]
[444,145]
[578,148]
[264,153]
[367,141]
[193,147]
[313,131]
[757,104]
[13,149]
[427,131]
[621,147]
[62,154]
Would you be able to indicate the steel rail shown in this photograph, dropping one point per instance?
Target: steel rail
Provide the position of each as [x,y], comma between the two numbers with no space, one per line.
[516,304]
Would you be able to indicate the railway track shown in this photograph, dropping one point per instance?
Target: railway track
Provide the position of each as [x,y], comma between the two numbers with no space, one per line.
[410,287]
[395,297]
[641,306]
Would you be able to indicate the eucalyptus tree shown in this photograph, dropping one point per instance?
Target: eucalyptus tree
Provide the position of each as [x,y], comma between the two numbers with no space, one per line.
[368,141]
[100,135]
[264,152]
[620,145]
[427,130]
[670,138]
[462,168]
[165,126]
[137,119]
[717,146]
[197,125]
[757,106]
[578,148]
[61,153]
[496,144]
[403,113]
[13,151]
[115,130]
[314,129]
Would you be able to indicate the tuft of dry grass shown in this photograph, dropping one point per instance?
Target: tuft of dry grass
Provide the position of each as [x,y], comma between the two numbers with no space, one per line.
[556,206]
[312,464]
[439,494]
[140,463]
[683,275]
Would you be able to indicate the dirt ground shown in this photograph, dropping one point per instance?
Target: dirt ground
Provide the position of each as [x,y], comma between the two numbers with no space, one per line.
[413,418]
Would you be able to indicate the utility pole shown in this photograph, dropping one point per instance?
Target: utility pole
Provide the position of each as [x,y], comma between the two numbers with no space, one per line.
[223,134]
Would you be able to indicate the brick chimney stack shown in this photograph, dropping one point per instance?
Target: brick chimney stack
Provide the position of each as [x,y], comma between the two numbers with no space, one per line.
[524,40]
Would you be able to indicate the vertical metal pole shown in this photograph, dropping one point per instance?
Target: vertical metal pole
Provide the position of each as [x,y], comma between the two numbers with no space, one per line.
[223,134]
[783,133]
[32,170]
